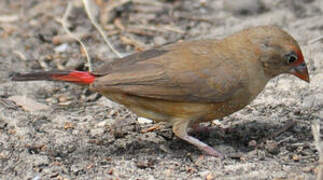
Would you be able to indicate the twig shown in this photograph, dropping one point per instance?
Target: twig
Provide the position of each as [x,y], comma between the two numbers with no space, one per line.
[89,12]
[65,38]
[20,55]
[8,104]
[148,2]
[141,32]
[287,126]
[127,39]
[106,14]
[316,40]
[117,22]
[194,18]
[64,23]
[150,129]
[319,146]
[165,28]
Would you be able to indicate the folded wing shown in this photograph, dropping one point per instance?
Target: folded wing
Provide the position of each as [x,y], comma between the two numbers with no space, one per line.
[190,73]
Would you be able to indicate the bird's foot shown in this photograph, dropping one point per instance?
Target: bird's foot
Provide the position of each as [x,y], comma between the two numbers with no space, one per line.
[180,130]
[212,152]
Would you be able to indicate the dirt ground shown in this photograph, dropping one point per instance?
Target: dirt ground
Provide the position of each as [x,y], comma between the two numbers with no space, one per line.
[64,131]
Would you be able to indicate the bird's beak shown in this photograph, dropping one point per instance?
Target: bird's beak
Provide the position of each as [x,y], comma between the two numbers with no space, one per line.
[301,72]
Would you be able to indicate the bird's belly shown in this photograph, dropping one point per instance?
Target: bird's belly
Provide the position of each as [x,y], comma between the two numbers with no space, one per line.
[161,110]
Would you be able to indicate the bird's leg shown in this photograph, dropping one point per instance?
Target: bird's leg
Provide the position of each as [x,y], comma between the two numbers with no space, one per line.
[180,127]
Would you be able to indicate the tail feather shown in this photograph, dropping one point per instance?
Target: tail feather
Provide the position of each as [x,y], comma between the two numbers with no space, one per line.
[67,76]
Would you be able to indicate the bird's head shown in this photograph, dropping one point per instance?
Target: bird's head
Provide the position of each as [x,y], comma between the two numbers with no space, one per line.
[278,52]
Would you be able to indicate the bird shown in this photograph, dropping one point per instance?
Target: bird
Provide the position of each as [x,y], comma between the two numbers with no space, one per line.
[194,81]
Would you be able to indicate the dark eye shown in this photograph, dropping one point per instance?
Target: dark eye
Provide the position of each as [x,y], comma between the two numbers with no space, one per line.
[291,58]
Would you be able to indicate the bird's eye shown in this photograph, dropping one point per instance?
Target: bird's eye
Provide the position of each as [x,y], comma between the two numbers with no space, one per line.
[291,58]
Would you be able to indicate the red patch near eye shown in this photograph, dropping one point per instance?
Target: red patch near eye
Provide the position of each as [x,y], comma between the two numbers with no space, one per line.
[300,56]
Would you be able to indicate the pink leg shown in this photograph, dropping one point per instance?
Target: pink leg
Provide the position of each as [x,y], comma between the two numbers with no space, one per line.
[180,127]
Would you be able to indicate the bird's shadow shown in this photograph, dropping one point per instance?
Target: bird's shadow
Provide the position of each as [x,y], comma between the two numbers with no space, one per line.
[245,137]
[237,138]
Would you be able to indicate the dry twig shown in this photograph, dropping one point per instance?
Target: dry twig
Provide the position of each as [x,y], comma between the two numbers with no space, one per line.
[160,28]
[316,40]
[65,25]
[150,129]
[148,2]
[65,38]
[106,14]
[139,46]
[90,10]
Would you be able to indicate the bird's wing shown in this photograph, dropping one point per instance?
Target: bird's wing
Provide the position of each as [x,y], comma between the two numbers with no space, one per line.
[187,72]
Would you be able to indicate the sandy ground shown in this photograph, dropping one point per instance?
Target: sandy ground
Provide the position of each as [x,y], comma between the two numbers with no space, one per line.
[78,134]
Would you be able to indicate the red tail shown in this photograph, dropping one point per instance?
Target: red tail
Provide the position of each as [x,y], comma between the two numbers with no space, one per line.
[67,76]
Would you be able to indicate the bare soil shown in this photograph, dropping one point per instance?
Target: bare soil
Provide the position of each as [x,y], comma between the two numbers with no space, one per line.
[80,135]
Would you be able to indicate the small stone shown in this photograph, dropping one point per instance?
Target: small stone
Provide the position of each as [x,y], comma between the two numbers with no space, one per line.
[252,143]
[142,120]
[52,100]
[63,98]
[159,40]
[295,157]
[66,103]
[75,169]
[61,48]
[209,177]
[272,147]
[204,173]
[143,164]
[36,177]
[102,124]
[68,125]
[308,169]
[97,132]
[261,155]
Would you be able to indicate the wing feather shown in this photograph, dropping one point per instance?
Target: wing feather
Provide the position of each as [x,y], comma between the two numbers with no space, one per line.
[174,73]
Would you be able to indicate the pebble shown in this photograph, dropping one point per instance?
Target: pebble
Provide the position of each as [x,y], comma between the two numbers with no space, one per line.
[97,132]
[204,173]
[37,177]
[102,124]
[159,40]
[295,157]
[252,143]
[272,146]
[142,120]
[61,48]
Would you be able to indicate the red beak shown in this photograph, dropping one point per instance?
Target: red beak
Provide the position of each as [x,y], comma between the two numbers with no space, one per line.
[301,72]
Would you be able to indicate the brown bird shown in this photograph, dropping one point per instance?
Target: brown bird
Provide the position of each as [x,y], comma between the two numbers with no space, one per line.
[187,83]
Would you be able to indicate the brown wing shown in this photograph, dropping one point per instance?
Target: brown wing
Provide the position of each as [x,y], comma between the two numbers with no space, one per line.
[128,61]
[189,72]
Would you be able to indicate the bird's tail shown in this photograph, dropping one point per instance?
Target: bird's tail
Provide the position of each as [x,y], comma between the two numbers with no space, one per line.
[78,77]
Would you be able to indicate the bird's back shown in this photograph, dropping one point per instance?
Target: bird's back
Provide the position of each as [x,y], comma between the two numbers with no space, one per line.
[192,79]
